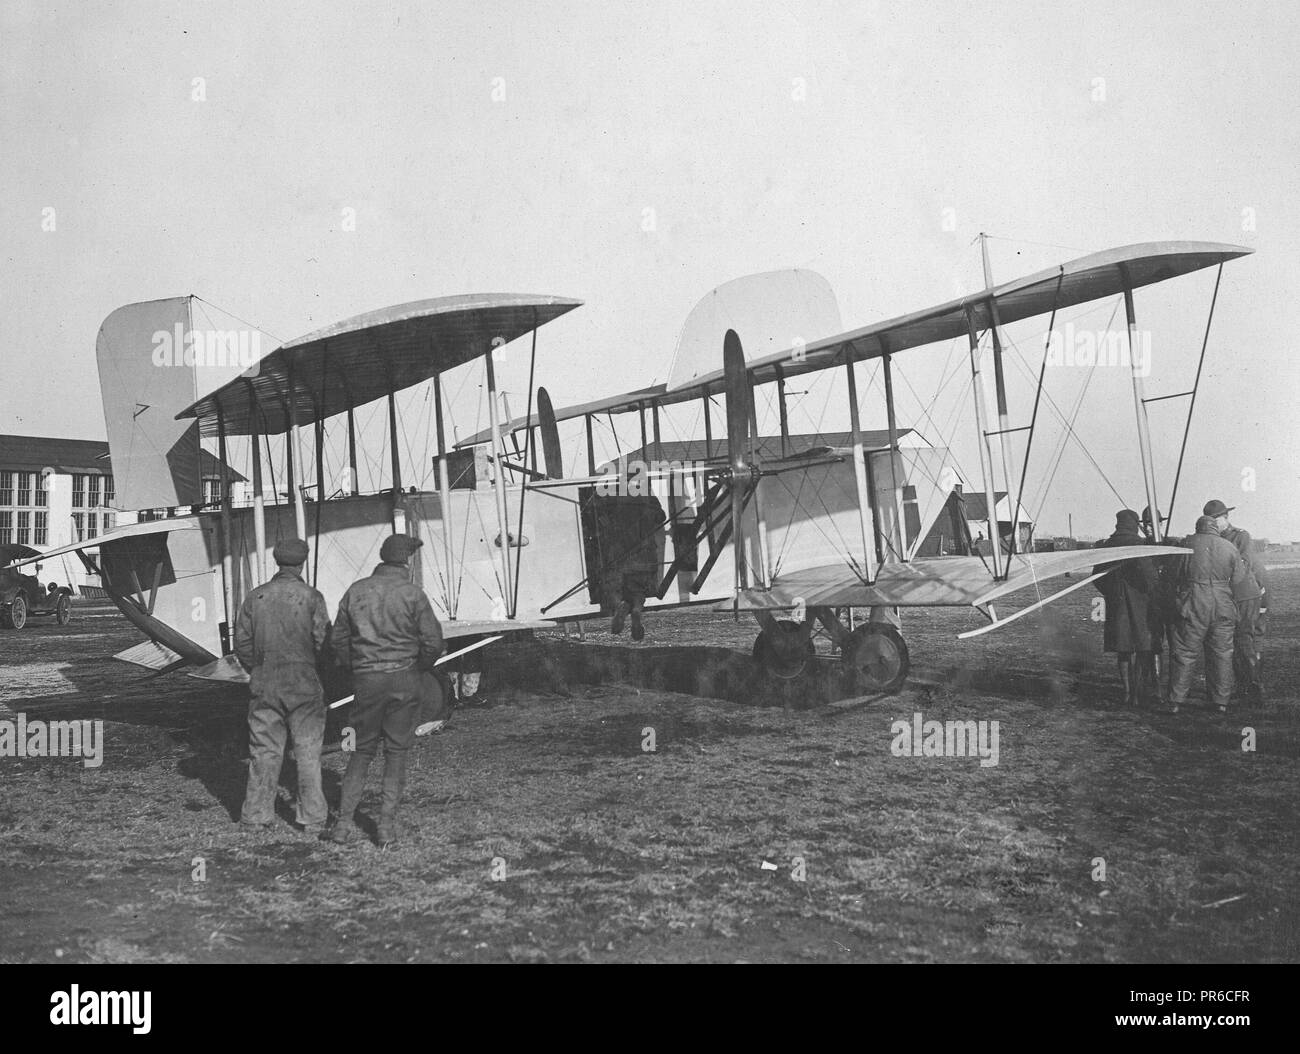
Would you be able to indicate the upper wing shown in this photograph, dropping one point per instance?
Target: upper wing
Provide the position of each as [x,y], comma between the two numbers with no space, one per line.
[356,361]
[1088,278]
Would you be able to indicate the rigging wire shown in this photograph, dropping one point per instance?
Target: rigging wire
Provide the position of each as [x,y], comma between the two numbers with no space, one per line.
[1196,384]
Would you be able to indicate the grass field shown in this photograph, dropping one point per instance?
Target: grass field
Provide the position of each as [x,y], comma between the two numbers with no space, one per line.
[540,829]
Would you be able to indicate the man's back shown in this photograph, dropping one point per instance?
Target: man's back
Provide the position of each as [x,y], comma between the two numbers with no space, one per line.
[1242,542]
[1214,561]
[281,623]
[385,623]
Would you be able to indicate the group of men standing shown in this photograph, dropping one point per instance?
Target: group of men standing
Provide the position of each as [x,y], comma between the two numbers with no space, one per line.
[385,634]
[1212,601]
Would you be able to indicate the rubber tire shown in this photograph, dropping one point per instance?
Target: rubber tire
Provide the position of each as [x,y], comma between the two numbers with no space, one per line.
[63,609]
[876,657]
[15,616]
[771,659]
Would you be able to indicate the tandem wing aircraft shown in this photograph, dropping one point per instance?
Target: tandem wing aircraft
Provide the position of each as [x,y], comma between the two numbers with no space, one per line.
[797,530]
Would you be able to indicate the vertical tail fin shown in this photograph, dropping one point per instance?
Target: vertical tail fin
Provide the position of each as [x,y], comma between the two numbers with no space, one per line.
[155,359]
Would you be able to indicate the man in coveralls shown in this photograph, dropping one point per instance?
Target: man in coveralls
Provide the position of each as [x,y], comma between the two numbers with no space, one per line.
[1252,606]
[1206,613]
[281,629]
[387,634]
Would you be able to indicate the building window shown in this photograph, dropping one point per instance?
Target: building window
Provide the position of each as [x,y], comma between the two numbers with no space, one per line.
[25,487]
[42,489]
[212,491]
[6,488]
[24,528]
[78,491]
[79,526]
[92,492]
[109,520]
[6,527]
[109,492]
[41,530]
[91,530]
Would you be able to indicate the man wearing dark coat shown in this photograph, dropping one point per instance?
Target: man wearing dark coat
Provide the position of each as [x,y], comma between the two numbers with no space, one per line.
[1133,627]
[633,531]
[387,634]
[1207,614]
[281,629]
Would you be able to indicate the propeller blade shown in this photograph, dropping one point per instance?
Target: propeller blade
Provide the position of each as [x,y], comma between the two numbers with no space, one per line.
[552,459]
[739,395]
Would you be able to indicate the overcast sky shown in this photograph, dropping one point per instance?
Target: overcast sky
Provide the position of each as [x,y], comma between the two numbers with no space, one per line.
[519,146]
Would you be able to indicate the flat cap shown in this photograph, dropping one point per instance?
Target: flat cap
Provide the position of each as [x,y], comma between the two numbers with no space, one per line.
[290,552]
[397,549]
[1217,508]
[1126,518]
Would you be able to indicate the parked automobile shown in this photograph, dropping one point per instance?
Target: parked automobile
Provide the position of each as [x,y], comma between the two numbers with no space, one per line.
[22,595]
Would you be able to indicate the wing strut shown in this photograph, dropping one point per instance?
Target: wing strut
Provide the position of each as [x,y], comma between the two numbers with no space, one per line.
[229,588]
[1033,417]
[529,448]
[860,472]
[444,497]
[891,418]
[259,501]
[1155,524]
[294,455]
[986,454]
[1000,389]
[499,483]
[1139,402]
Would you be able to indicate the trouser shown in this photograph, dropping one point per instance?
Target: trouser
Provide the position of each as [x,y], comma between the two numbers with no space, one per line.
[635,587]
[1246,647]
[387,707]
[286,701]
[1141,675]
[1208,625]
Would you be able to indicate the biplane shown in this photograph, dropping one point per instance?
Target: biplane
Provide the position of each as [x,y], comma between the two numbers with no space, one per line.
[794,529]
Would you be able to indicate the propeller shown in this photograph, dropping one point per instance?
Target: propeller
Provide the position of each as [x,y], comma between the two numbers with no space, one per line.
[739,452]
[552,459]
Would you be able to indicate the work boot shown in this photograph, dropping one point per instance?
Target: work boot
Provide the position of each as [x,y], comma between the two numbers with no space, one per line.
[620,613]
[345,828]
[343,832]
[394,786]
[1127,679]
[638,630]
[387,836]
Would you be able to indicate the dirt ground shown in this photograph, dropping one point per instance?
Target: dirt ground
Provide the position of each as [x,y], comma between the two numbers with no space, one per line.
[539,828]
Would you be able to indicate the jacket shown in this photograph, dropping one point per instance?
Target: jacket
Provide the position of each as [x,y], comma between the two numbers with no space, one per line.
[386,623]
[1213,570]
[1132,592]
[1254,585]
[281,623]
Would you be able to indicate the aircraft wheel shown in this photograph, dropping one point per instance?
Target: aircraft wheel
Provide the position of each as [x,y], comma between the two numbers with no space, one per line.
[876,657]
[16,615]
[63,610]
[784,650]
